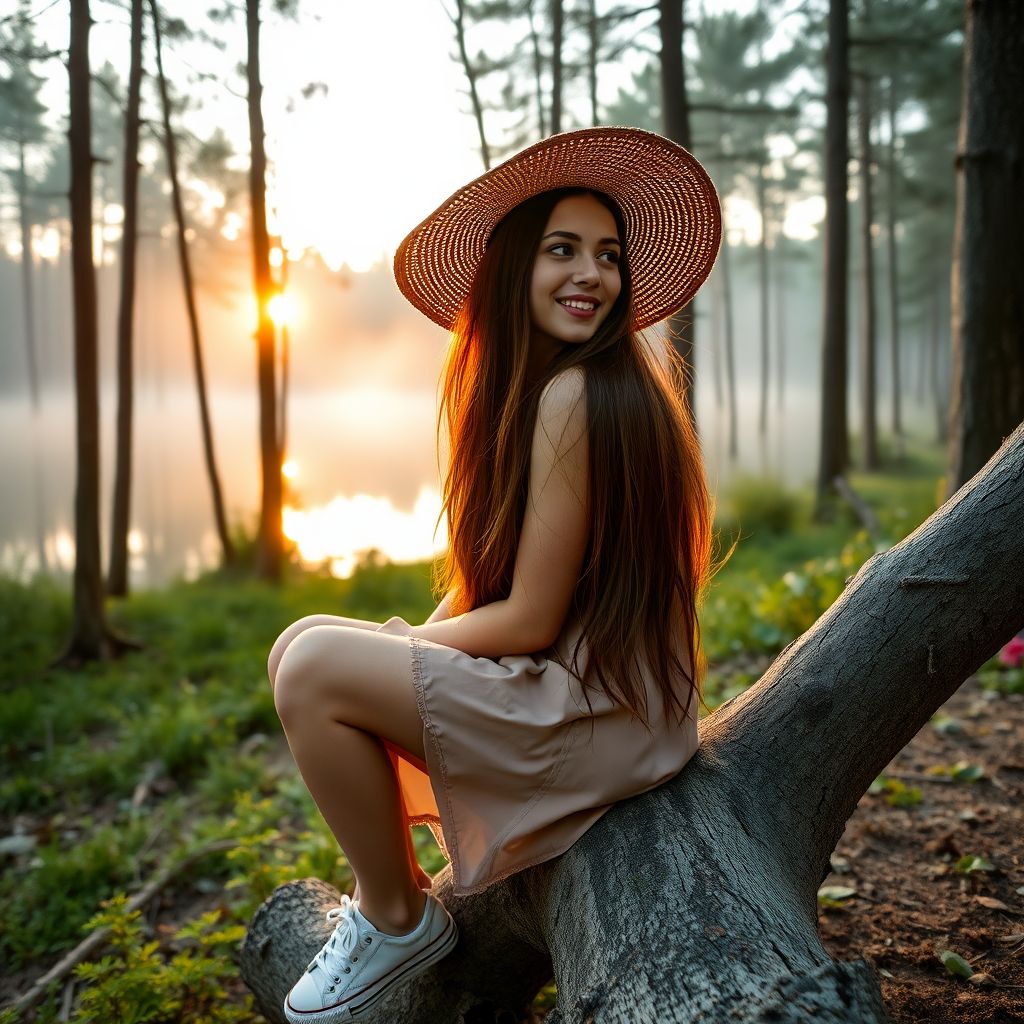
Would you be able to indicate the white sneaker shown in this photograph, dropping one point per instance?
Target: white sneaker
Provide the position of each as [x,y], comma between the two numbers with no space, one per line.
[359,964]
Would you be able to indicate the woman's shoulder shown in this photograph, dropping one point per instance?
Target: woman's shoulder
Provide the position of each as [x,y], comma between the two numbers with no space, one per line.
[563,395]
[561,424]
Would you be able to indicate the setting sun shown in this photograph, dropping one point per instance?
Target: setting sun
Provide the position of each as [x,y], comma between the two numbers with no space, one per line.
[282,309]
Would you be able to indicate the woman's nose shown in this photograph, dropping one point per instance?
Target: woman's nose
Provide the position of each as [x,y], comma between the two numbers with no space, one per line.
[585,271]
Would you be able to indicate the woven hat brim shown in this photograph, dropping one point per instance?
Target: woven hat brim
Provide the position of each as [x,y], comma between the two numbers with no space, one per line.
[670,206]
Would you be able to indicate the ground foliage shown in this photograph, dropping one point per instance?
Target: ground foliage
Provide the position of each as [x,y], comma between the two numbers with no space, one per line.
[110,772]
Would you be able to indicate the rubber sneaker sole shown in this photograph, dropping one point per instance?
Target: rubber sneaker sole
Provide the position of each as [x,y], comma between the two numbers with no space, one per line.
[358,1004]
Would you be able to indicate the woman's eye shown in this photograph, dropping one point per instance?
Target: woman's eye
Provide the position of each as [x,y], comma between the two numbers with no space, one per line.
[609,256]
[562,249]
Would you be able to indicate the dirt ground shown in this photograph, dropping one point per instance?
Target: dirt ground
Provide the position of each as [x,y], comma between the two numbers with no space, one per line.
[902,861]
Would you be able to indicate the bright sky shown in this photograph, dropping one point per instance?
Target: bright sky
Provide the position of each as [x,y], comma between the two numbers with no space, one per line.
[356,169]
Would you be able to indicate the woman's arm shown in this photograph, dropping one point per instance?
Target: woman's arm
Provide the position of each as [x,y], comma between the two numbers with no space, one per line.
[552,543]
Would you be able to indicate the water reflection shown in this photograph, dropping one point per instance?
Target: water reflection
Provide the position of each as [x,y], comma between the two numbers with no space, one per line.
[342,530]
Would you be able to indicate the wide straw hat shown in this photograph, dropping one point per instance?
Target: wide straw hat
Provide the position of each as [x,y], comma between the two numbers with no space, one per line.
[673,219]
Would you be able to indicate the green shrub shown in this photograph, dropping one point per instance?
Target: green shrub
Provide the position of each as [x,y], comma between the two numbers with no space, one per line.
[135,984]
[758,505]
[43,907]
[747,614]
[34,621]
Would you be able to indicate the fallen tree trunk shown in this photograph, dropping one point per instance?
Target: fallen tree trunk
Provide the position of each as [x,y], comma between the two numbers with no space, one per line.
[696,901]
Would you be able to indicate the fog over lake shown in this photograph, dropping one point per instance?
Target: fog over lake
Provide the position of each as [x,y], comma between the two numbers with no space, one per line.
[361,410]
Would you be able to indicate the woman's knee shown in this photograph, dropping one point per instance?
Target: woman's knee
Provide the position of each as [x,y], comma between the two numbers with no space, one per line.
[309,676]
[282,643]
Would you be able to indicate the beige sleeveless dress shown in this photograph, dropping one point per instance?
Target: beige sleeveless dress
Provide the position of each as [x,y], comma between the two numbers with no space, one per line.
[518,767]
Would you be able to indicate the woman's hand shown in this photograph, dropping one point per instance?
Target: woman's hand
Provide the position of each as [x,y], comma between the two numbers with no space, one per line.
[552,543]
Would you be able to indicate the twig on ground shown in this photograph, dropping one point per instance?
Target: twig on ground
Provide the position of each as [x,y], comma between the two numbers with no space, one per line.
[95,939]
[864,512]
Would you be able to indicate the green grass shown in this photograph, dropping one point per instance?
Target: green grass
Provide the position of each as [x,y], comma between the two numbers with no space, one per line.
[194,710]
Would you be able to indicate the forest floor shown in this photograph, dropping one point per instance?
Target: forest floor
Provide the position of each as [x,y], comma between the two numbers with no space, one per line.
[901,852]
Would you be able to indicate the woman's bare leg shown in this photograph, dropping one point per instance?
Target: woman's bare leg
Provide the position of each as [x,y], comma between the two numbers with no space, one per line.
[338,691]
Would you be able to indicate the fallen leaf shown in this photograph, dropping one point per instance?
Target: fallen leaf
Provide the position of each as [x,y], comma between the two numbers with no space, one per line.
[836,892]
[1011,940]
[955,964]
[968,865]
[991,903]
[884,973]
[1020,891]
[964,772]
[981,978]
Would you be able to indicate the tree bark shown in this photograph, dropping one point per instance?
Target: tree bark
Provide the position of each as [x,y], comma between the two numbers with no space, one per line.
[834,455]
[170,148]
[557,32]
[467,65]
[675,117]
[89,638]
[988,250]
[894,290]
[868,371]
[697,900]
[117,577]
[271,539]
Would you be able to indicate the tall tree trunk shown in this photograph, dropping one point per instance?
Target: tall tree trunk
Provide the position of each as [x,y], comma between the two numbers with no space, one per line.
[716,337]
[988,251]
[730,349]
[697,900]
[893,269]
[117,577]
[557,32]
[31,353]
[467,66]
[939,401]
[271,539]
[89,638]
[834,455]
[675,116]
[171,150]
[538,71]
[868,372]
[28,300]
[780,320]
[762,266]
[592,58]
[282,426]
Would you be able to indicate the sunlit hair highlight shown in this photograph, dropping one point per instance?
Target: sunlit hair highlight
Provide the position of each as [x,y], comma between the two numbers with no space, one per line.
[649,546]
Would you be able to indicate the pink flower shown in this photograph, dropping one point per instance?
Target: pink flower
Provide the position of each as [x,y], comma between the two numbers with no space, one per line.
[1013,653]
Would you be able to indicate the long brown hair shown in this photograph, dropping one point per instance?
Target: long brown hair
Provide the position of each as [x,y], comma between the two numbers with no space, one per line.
[649,546]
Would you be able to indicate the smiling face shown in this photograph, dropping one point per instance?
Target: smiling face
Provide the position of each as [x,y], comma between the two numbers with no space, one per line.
[576,276]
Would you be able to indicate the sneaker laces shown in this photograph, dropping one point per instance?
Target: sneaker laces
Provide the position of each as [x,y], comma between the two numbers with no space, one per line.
[342,943]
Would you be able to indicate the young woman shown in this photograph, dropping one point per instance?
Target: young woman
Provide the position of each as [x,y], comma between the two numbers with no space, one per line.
[561,671]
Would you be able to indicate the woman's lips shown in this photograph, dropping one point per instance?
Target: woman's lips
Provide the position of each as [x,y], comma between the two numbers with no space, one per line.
[577,312]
